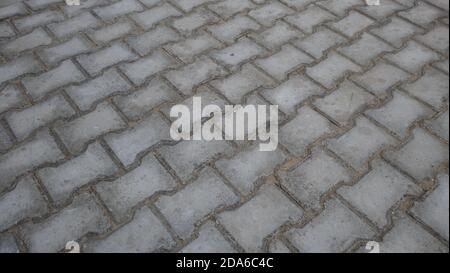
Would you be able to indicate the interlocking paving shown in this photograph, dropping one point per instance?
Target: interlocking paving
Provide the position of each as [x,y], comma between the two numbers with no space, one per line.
[85,151]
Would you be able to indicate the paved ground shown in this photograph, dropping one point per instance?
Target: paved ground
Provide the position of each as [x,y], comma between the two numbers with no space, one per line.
[85,152]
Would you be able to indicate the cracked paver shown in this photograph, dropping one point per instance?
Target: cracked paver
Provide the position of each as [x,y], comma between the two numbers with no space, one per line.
[85,152]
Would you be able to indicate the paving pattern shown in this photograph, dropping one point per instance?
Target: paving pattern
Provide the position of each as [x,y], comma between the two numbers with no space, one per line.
[85,151]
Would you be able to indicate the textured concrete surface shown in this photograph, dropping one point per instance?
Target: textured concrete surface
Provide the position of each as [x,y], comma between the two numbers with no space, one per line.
[85,151]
